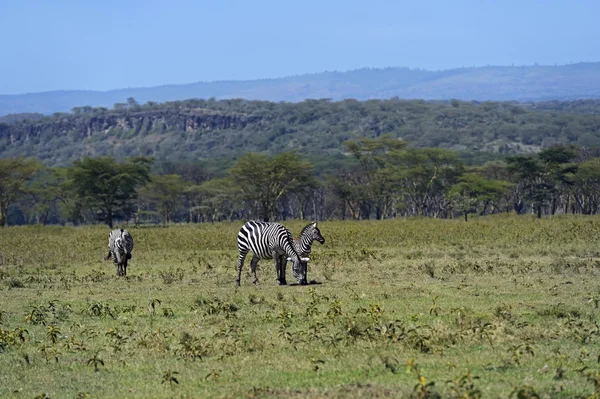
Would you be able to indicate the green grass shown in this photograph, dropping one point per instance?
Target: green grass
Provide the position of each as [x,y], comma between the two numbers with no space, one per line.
[509,300]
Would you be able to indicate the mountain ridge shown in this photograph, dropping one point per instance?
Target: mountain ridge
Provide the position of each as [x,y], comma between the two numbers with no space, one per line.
[493,83]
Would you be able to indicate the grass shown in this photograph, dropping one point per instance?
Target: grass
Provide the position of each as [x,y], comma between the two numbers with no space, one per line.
[497,306]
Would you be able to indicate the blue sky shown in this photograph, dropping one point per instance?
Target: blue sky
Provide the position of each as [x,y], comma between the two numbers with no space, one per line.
[102,45]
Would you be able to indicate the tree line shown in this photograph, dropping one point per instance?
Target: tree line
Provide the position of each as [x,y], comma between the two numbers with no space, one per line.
[376,178]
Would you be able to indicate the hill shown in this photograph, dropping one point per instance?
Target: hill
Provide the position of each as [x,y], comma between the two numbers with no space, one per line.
[498,83]
[208,129]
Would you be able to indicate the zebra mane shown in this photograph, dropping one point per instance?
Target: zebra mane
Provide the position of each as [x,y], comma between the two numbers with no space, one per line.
[305,228]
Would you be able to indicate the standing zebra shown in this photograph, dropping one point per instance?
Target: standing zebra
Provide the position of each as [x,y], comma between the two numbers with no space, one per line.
[120,245]
[269,241]
[304,242]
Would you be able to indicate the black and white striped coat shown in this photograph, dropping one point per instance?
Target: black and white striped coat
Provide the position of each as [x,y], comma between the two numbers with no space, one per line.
[269,241]
[120,245]
[305,240]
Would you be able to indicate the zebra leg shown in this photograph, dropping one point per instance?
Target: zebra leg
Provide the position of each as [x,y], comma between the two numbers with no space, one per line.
[253,264]
[117,265]
[125,266]
[277,267]
[108,256]
[282,265]
[242,256]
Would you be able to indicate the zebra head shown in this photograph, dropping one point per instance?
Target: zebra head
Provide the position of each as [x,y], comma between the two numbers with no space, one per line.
[300,269]
[316,234]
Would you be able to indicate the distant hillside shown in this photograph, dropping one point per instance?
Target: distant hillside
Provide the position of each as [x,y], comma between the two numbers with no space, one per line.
[526,83]
[202,129]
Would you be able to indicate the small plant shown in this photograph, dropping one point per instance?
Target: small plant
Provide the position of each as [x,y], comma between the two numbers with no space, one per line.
[49,352]
[152,305]
[168,312]
[192,348]
[463,387]
[335,310]
[518,351]
[524,392]
[169,377]
[595,299]
[95,361]
[214,375]
[435,310]
[316,364]
[53,332]
[14,283]
[429,269]
[391,363]
[422,389]
[98,309]
[285,320]
[37,315]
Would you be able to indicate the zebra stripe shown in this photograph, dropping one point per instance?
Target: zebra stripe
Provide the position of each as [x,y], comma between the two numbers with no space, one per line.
[269,241]
[120,245]
[304,242]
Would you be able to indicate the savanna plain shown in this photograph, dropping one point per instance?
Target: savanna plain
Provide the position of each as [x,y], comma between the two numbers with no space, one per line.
[495,307]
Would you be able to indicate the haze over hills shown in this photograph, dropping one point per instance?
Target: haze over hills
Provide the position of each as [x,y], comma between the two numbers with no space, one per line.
[520,83]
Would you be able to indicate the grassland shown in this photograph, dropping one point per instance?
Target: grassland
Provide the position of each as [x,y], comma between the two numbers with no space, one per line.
[496,306]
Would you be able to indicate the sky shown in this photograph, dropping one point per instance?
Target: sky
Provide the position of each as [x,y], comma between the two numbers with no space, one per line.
[102,45]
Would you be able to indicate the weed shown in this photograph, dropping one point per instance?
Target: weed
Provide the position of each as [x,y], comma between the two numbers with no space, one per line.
[95,361]
[169,378]
[524,392]
[463,387]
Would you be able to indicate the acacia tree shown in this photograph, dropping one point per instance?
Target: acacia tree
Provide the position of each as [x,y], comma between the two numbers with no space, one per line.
[108,186]
[264,180]
[14,172]
[43,192]
[378,159]
[473,189]
[166,191]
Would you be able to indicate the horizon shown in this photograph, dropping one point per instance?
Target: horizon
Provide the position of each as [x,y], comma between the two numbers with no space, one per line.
[299,75]
[68,45]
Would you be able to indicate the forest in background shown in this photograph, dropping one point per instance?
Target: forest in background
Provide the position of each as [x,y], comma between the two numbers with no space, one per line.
[223,130]
[379,178]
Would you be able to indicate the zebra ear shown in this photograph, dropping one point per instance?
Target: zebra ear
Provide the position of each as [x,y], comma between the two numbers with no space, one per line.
[315,224]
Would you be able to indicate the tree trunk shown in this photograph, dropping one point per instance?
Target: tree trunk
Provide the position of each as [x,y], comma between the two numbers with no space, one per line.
[539,211]
[45,218]
[109,218]
[466,216]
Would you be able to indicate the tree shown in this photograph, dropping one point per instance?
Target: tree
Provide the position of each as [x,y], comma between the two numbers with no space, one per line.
[427,174]
[166,190]
[107,186]
[218,199]
[473,189]
[13,174]
[43,192]
[264,180]
[378,159]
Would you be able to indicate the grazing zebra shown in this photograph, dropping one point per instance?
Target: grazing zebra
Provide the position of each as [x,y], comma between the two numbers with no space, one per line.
[120,245]
[269,241]
[304,242]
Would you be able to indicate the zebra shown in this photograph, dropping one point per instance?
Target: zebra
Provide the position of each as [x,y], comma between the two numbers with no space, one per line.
[270,241]
[120,245]
[304,242]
